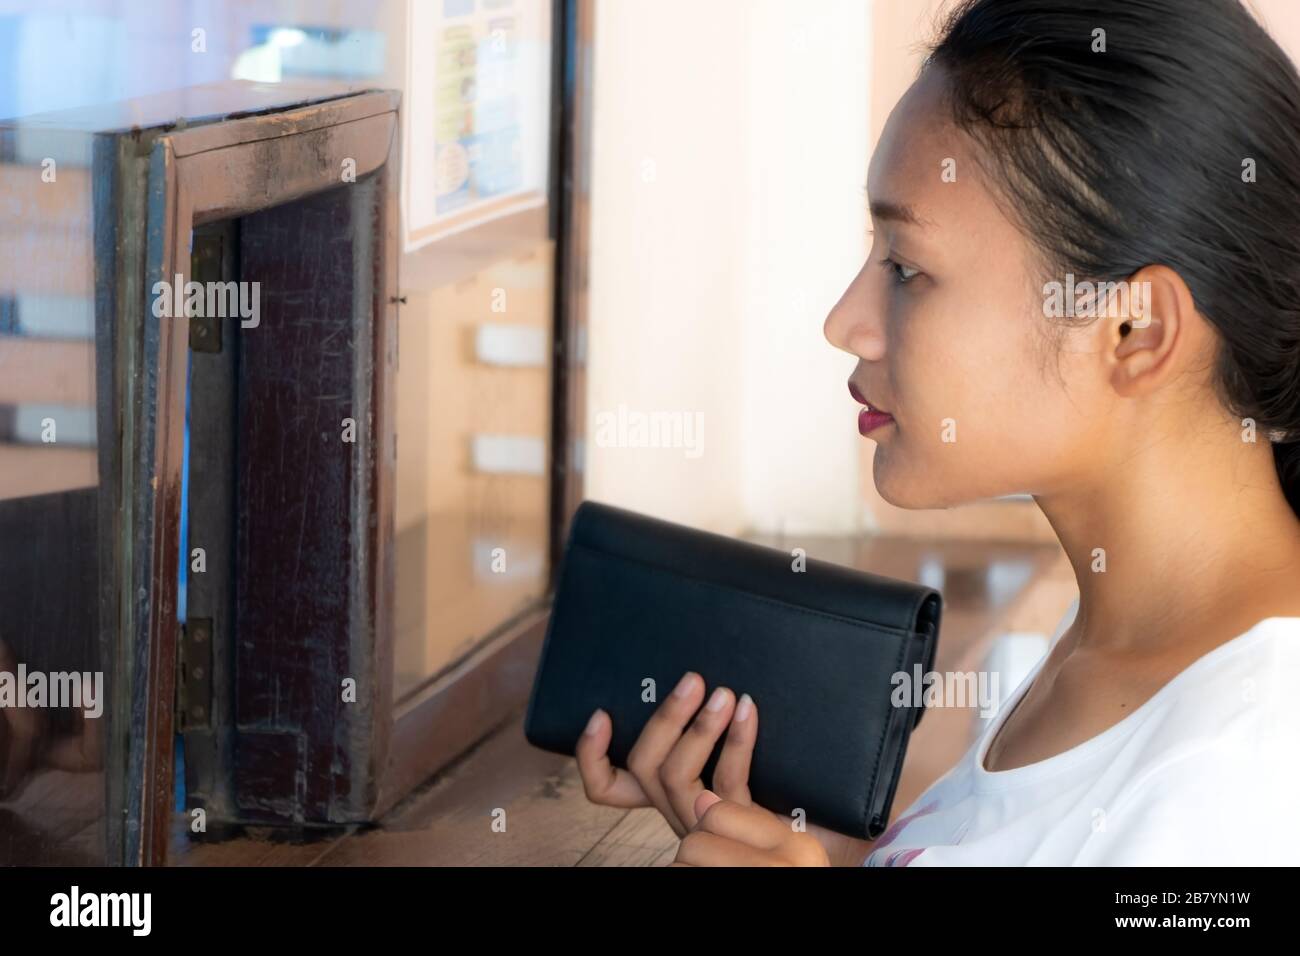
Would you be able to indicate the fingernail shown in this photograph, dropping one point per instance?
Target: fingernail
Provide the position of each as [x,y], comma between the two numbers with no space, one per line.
[593,723]
[706,799]
[718,700]
[684,685]
[744,707]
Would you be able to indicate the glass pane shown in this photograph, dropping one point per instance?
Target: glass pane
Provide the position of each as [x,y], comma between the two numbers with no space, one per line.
[474,378]
[53,690]
[473,437]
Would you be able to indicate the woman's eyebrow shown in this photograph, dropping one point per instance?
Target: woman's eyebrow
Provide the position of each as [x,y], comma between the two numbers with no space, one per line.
[898,212]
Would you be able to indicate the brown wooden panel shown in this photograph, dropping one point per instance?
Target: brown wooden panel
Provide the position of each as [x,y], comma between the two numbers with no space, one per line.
[297,553]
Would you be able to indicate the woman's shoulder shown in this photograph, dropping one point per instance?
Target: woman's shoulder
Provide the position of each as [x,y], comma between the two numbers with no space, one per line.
[1210,777]
[1243,682]
[1231,720]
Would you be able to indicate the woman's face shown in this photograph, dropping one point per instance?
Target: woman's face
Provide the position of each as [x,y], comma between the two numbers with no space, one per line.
[947,320]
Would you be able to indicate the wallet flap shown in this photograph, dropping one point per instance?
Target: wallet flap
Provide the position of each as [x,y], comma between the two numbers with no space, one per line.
[749,566]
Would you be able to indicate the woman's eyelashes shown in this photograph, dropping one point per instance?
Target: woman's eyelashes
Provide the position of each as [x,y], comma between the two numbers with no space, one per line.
[900,273]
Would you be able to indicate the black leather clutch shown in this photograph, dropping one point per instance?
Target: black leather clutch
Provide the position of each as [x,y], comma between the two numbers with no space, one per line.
[641,601]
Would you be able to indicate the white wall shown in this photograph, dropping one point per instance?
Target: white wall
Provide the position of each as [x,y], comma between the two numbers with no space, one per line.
[729,156]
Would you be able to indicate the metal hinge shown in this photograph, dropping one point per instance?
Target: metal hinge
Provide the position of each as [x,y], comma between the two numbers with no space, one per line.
[194,675]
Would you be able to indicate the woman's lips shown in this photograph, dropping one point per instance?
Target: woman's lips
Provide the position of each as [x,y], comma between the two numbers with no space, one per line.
[869,419]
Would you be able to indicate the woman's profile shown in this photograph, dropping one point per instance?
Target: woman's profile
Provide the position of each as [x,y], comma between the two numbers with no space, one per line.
[1083,284]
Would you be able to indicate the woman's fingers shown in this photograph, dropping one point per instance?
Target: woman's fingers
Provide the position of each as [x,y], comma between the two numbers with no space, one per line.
[667,761]
[680,773]
[731,775]
[603,782]
[660,734]
[701,848]
[751,825]
[734,834]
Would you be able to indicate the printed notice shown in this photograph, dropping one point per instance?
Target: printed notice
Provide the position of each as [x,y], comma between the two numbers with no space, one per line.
[478,93]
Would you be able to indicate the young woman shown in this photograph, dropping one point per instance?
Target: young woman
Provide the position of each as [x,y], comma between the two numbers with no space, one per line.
[1048,145]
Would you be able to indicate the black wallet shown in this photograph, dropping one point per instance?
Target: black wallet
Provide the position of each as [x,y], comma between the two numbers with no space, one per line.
[641,601]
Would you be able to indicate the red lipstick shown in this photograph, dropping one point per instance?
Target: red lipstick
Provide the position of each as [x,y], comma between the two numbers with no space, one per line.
[869,419]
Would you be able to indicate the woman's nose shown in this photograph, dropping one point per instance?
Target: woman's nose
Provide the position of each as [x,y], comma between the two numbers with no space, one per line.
[853,325]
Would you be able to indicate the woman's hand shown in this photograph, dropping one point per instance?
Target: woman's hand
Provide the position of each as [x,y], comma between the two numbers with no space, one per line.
[665,764]
[733,834]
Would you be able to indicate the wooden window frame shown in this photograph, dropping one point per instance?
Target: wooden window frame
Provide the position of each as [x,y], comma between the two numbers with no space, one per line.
[195,176]
[188,183]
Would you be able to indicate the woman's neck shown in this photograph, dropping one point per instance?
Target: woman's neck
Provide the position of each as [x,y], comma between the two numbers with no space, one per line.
[1178,535]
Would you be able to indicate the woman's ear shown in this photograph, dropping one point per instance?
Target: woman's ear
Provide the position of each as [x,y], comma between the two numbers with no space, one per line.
[1143,326]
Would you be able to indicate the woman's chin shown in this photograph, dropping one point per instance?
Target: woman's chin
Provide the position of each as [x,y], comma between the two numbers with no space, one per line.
[899,491]
[908,498]
[911,491]
[914,493]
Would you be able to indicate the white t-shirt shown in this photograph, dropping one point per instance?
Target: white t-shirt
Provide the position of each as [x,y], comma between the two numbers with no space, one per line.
[1206,772]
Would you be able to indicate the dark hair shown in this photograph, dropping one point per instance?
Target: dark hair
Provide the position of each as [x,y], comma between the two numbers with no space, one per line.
[1137,155]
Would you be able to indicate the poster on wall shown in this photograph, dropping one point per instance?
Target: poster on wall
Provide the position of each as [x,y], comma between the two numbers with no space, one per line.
[477,105]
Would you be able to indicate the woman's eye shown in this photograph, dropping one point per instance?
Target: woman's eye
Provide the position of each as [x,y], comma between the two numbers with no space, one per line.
[902,274]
